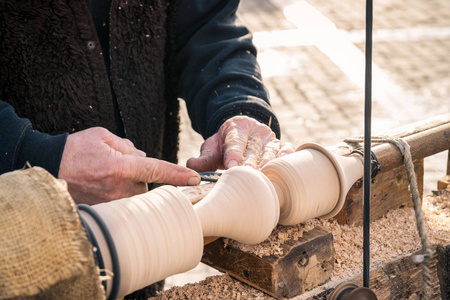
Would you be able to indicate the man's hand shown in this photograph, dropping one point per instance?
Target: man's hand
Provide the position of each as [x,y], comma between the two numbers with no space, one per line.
[240,141]
[99,166]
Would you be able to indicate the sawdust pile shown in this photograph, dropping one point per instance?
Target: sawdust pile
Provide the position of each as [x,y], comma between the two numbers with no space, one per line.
[273,244]
[389,237]
[214,287]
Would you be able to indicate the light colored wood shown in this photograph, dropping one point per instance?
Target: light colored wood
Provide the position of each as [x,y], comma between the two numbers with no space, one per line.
[242,206]
[156,234]
[393,241]
[444,182]
[312,182]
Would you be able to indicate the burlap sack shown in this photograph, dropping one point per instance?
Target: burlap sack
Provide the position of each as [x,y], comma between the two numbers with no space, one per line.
[44,252]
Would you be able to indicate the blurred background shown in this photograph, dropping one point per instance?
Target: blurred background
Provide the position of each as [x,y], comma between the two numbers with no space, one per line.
[311,54]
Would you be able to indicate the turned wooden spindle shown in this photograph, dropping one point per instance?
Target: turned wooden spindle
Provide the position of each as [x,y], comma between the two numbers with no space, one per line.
[312,182]
[160,233]
[242,206]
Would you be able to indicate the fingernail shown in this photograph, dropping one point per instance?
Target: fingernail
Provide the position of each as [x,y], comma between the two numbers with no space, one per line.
[142,153]
[194,180]
[232,163]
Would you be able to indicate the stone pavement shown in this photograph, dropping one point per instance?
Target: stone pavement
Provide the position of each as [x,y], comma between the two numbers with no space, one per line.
[311,55]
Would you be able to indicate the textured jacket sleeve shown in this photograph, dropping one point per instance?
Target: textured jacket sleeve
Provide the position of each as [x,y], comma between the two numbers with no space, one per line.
[216,59]
[20,143]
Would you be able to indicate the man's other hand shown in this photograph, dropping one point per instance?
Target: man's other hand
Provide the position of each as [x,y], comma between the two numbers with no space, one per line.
[240,141]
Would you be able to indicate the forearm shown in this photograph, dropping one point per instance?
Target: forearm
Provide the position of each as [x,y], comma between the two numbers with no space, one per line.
[20,143]
[219,75]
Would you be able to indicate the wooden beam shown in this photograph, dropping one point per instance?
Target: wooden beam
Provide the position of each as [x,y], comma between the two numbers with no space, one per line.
[305,264]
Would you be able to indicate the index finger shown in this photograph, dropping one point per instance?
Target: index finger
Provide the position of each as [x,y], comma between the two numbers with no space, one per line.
[152,170]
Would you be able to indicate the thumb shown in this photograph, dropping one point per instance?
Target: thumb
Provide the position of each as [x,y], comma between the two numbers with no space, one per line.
[152,170]
[210,158]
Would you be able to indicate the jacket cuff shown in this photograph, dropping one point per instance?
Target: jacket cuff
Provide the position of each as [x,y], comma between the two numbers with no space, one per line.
[41,149]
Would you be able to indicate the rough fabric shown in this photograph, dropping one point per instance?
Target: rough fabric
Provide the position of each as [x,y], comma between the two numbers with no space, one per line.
[44,252]
[60,55]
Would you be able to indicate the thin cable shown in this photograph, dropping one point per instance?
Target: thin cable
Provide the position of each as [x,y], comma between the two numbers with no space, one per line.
[367,144]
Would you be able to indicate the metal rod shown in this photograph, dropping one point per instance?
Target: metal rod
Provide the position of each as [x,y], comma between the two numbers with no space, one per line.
[367,144]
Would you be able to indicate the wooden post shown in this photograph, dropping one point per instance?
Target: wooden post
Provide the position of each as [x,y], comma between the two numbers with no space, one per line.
[305,264]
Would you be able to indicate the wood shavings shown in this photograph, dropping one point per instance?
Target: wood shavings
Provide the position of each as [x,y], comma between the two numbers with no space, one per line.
[214,287]
[197,193]
[273,244]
